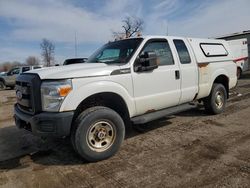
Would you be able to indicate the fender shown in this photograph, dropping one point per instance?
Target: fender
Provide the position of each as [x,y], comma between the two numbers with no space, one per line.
[216,73]
[77,95]
[1,79]
[205,87]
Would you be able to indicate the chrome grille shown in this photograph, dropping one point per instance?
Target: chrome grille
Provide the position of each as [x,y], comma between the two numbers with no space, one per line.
[28,93]
[23,92]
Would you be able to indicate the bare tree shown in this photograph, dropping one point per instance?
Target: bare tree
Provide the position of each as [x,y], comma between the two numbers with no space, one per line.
[32,60]
[6,66]
[15,64]
[48,51]
[132,26]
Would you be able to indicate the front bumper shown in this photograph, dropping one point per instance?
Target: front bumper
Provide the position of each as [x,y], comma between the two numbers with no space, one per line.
[47,124]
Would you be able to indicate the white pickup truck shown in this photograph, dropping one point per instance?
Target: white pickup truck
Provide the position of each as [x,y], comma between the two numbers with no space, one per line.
[132,80]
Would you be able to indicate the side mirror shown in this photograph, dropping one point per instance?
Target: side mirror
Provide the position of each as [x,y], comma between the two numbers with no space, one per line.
[146,62]
[9,73]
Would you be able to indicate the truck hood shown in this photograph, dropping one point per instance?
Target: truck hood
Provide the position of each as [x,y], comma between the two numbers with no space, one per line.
[75,71]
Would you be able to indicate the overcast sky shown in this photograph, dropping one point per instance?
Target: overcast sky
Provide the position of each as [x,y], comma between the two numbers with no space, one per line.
[23,23]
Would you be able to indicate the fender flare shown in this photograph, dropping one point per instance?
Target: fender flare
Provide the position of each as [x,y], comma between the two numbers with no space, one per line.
[216,74]
[77,95]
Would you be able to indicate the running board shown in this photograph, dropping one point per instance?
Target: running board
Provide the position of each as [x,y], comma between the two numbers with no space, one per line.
[161,113]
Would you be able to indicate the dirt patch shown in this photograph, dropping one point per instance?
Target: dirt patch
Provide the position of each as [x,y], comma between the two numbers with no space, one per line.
[213,122]
[244,86]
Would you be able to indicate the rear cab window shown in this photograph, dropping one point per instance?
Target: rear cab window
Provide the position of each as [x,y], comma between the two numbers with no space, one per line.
[182,51]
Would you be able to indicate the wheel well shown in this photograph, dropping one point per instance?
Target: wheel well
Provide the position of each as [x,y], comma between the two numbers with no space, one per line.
[1,79]
[222,79]
[238,67]
[107,99]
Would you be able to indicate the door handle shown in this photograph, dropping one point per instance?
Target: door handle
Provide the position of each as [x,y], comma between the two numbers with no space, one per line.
[177,74]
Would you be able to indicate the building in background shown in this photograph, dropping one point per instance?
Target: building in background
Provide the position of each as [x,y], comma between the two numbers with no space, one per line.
[239,35]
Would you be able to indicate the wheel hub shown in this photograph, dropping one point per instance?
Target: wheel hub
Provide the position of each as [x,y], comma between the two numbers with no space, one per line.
[101,136]
[219,100]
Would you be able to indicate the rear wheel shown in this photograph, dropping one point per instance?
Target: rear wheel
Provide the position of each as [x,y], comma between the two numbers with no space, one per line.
[2,85]
[215,103]
[239,73]
[98,133]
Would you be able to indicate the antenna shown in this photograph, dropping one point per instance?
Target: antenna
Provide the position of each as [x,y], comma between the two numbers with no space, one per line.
[167,27]
[164,26]
[75,45]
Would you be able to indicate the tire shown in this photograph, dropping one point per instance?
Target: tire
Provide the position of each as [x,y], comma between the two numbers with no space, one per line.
[2,86]
[239,73]
[215,103]
[12,87]
[98,133]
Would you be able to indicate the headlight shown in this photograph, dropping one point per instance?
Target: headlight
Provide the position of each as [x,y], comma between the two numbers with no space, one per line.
[53,93]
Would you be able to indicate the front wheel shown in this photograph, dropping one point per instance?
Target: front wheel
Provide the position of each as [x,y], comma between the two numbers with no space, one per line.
[98,133]
[215,103]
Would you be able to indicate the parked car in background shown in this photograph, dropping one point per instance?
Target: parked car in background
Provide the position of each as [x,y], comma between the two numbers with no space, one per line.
[9,79]
[74,61]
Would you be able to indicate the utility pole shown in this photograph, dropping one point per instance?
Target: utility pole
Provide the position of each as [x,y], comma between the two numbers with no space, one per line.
[75,45]
[164,26]
[167,27]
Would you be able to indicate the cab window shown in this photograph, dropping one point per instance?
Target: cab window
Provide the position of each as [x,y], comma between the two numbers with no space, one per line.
[182,52]
[162,50]
[25,69]
[37,67]
[14,71]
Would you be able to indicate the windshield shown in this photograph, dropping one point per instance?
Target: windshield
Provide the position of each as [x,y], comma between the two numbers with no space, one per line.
[115,52]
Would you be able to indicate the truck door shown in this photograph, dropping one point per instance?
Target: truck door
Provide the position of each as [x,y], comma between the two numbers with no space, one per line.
[158,88]
[188,71]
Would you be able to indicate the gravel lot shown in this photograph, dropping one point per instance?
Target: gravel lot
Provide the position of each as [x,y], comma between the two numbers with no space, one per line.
[190,149]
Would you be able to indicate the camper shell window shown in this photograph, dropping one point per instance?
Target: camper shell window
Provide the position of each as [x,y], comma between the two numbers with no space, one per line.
[213,49]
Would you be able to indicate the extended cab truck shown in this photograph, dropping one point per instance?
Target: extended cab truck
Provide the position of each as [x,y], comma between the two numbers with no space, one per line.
[9,79]
[138,80]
